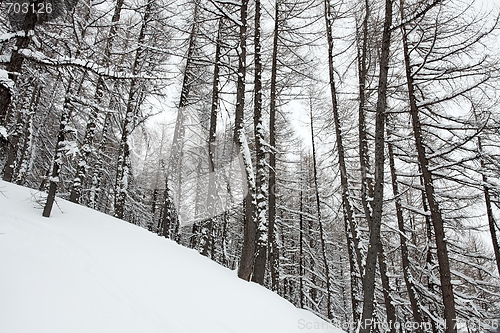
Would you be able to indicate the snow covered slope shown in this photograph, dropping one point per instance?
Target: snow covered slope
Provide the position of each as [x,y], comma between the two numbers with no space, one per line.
[82,271]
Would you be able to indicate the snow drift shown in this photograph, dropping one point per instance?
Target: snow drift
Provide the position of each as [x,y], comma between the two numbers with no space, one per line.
[83,271]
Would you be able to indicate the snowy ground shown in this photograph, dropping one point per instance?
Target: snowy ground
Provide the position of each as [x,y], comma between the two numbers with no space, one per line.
[82,271]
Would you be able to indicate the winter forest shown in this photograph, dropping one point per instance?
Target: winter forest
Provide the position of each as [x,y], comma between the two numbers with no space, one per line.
[344,154]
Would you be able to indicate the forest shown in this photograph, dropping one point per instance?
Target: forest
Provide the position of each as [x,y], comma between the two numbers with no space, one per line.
[344,154]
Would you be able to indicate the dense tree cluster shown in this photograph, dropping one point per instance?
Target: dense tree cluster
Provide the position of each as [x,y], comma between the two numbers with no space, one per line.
[343,154]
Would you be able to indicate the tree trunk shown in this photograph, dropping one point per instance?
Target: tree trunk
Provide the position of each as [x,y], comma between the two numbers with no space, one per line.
[366,184]
[405,255]
[27,150]
[23,119]
[212,188]
[301,242]
[174,166]
[248,250]
[351,228]
[374,245]
[489,211]
[322,236]
[90,130]
[123,170]
[16,61]
[169,216]
[437,219]
[97,175]
[60,149]
[273,248]
[487,200]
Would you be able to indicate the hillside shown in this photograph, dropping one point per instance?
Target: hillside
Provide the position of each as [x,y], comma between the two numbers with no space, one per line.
[82,271]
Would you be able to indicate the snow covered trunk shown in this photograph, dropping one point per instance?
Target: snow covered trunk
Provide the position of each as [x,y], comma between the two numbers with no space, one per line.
[174,168]
[87,149]
[375,244]
[22,125]
[367,192]
[492,223]
[169,216]
[248,249]
[61,148]
[123,170]
[12,148]
[322,236]
[301,242]
[350,224]
[84,156]
[245,268]
[387,291]
[261,237]
[432,313]
[273,246]
[488,199]
[97,174]
[435,210]
[405,255]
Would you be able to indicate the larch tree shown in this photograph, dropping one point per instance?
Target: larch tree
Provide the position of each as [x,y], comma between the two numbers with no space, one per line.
[375,245]
[260,211]
[351,227]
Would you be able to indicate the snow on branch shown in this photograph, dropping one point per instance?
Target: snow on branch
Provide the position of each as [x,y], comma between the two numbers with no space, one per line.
[85,64]
[8,36]
[5,80]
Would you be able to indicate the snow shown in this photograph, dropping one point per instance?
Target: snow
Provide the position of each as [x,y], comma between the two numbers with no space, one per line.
[71,148]
[82,271]
[3,133]
[5,81]
[39,57]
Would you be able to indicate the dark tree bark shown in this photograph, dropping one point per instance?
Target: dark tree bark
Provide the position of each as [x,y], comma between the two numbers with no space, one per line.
[375,245]
[322,236]
[436,216]
[248,249]
[262,236]
[98,173]
[301,242]
[350,225]
[489,211]
[16,61]
[366,183]
[169,216]
[60,150]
